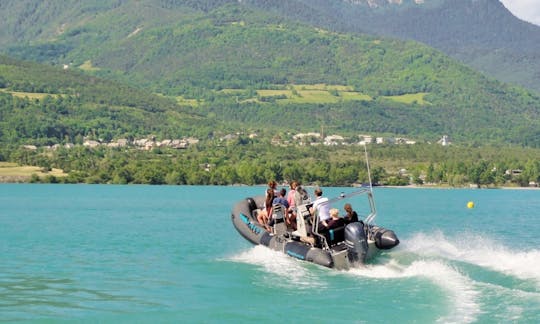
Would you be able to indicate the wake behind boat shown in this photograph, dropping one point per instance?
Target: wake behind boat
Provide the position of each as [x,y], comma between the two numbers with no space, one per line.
[343,247]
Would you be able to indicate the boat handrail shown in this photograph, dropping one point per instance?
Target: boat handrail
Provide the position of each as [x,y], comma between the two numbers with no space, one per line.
[315,230]
[369,191]
[371,217]
[349,195]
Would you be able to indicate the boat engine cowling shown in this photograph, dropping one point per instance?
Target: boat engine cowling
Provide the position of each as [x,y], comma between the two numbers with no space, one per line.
[356,242]
[385,239]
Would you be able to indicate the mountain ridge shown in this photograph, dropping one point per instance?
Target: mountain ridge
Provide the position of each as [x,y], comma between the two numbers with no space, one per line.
[481,33]
[226,45]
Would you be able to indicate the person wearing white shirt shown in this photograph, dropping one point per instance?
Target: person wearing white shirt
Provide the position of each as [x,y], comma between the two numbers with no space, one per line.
[321,206]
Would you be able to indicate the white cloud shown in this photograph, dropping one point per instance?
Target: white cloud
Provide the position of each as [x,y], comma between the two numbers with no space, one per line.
[528,10]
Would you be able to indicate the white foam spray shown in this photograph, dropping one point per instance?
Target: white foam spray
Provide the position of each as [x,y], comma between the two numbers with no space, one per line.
[432,256]
[478,250]
[291,270]
[460,289]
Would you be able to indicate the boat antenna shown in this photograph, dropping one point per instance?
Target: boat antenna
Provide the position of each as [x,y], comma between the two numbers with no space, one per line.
[371,216]
[368,168]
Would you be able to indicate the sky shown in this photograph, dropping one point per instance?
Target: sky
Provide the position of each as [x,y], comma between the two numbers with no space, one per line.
[528,10]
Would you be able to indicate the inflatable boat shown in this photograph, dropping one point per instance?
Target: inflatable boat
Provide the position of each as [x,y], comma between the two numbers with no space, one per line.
[343,247]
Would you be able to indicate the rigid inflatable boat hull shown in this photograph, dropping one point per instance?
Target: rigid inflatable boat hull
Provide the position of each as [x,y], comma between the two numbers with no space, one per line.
[355,250]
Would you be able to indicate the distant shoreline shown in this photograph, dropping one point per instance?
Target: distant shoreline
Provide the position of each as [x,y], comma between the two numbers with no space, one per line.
[448,187]
[18,179]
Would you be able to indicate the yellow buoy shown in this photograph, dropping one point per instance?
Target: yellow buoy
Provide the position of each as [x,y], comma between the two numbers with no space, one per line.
[470,204]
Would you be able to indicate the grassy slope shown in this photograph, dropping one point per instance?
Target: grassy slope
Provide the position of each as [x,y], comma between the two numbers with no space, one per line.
[12,172]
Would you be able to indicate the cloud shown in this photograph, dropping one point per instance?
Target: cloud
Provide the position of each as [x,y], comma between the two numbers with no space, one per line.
[528,10]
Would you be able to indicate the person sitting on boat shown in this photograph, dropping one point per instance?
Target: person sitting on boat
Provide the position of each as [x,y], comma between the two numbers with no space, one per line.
[321,206]
[263,215]
[301,196]
[334,222]
[273,186]
[351,216]
[280,199]
[262,218]
[291,210]
[269,201]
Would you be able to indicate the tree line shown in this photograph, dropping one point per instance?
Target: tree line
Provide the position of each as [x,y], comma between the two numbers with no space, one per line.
[250,162]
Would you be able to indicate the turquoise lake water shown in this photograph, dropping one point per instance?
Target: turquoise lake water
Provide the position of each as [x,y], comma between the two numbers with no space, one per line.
[110,254]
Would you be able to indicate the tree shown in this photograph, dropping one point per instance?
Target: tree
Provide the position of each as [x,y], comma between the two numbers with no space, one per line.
[430,174]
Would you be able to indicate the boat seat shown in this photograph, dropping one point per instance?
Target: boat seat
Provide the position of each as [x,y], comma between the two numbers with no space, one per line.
[303,219]
[278,219]
[334,236]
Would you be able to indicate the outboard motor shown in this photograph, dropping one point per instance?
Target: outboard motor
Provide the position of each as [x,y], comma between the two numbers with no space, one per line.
[356,242]
[385,239]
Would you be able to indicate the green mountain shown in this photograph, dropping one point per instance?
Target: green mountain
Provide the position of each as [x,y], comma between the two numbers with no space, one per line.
[46,105]
[223,54]
[480,33]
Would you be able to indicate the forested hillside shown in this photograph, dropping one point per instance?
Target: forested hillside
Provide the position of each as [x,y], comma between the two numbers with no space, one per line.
[481,33]
[220,55]
[44,105]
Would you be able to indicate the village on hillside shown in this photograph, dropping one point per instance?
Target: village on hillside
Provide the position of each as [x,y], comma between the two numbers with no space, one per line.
[311,138]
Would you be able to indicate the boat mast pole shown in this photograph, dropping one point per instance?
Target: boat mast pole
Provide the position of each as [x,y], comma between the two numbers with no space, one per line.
[371,216]
[368,169]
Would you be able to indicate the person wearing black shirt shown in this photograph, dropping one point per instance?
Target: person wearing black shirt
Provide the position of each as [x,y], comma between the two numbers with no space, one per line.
[351,216]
